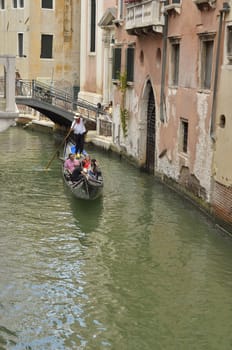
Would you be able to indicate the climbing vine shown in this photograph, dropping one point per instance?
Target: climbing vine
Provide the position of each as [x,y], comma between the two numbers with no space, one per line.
[124,113]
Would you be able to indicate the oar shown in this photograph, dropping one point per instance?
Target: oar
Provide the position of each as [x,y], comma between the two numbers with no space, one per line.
[55,153]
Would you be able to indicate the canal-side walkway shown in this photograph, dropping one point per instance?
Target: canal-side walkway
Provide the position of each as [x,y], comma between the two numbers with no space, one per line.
[44,125]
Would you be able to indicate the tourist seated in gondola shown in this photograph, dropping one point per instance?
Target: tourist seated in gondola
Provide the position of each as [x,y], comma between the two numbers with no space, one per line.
[94,170]
[86,162]
[70,163]
[77,173]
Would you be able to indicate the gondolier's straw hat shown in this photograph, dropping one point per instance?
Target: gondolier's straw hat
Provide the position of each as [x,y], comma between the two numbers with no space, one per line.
[77,115]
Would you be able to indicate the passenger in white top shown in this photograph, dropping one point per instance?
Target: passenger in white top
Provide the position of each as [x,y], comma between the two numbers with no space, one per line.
[79,131]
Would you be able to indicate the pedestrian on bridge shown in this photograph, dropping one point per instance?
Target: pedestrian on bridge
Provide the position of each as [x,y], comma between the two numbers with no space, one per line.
[79,131]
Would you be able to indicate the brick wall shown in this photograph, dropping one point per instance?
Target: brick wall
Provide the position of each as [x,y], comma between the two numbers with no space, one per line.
[222,202]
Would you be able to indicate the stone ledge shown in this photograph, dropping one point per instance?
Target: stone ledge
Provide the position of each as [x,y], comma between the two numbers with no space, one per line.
[104,142]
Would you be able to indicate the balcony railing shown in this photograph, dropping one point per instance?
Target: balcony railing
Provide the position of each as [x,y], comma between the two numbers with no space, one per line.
[143,16]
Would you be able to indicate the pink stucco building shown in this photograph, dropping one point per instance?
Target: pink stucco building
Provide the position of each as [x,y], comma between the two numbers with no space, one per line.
[172,52]
[160,63]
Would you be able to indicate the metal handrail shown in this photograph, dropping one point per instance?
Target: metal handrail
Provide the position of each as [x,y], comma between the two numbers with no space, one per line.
[58,97]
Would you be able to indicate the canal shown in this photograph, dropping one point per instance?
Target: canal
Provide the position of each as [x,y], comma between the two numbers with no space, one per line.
[139,269]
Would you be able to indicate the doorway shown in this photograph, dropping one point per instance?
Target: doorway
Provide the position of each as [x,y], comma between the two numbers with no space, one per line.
[151,133]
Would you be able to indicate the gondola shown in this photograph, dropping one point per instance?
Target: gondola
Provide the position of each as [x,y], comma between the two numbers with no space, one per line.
[87,187]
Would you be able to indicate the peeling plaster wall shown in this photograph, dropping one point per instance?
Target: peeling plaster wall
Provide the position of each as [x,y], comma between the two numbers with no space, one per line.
[146,69]
[187,101]
[204,150]
[223,146]
[133,131]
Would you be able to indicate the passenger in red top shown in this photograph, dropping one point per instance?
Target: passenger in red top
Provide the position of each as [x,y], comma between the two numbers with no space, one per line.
[86,162]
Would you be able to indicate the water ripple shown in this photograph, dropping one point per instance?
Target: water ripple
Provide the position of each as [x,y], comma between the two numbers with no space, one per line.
[138,269]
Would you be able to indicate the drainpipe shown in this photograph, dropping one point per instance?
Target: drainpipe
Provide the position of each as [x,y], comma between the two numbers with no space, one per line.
[225,10]
[164,56]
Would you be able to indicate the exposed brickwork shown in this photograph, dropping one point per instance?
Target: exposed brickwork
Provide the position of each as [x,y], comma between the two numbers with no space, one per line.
[191,183]
[222,202]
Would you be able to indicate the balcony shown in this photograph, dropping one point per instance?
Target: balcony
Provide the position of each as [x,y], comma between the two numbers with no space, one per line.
[172,6]
[205,4]
[143,17]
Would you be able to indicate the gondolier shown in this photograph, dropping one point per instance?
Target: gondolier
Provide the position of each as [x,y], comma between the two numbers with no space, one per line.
[83,183]
[79,131]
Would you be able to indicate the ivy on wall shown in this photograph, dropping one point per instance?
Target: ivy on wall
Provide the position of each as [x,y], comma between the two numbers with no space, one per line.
[124,113]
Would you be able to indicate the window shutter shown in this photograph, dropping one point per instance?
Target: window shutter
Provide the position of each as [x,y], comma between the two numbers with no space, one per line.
[93,27]
[47,4]
[46,46]
[116,69]
[20,44]
[130,63]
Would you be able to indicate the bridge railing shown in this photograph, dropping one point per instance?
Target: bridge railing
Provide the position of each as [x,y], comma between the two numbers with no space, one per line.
[58,97]
[64,100]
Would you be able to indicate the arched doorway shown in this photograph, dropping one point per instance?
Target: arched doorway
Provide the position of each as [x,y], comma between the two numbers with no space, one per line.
[151,132]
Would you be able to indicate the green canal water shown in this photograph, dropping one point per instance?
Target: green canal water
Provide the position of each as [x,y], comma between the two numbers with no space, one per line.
[139,269]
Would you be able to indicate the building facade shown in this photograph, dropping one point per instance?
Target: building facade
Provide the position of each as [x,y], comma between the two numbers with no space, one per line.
[97,30]
[171,64]
[164,67]
[222,163]
[44,36]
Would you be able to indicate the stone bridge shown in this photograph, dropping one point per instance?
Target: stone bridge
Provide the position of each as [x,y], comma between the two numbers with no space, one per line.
[57,105]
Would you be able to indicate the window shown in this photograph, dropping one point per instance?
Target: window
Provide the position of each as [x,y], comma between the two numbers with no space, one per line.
[116,69]
[206,61]
[47,4]
[222,122]
[172,2]
[46,46]
[229,44]
[130,64]
[175,56]
[92,26]
[184,136]
[2,5]
[20,45]
[18,4]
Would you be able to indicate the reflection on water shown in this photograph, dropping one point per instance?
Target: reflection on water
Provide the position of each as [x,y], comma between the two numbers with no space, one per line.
[137,269]
[86,213]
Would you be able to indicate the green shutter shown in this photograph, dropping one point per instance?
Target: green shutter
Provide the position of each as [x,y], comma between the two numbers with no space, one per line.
[116,69]
[130,63]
